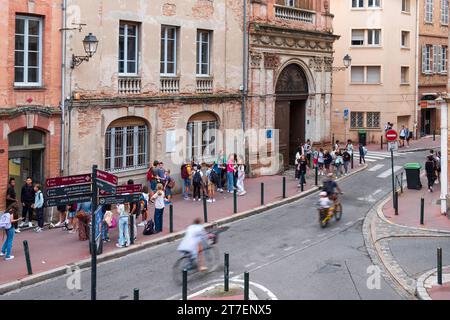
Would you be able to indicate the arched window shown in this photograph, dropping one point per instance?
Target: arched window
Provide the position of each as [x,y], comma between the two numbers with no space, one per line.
[202,129]
[126,145]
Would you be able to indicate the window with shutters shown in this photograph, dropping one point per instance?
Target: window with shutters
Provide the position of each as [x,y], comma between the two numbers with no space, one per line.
[358,37]
[443,61]
[373,119]
[436,58]
[365,74]
[426,59]
[374,74]
[374,37]
[357,74]
[429,11]
[406,6]
[356,119]
[444,12]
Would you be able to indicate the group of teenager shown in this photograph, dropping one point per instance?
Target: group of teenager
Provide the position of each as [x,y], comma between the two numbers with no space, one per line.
[337,161]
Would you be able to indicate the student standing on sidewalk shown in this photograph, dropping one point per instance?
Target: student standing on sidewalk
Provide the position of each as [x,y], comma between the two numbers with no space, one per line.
[38,207]
[347,158]
[124,234]
[430,170]
[213,178]
[241,178]
[321,162]
[27,199]
[9,230]
[230,174]
[197,181]
[145,197]
[134,212]
[328,159]
[11,198]
[362,154]
[158,200]
[185,176]
[169,185]
[338,162]
[219,167]
[302,165]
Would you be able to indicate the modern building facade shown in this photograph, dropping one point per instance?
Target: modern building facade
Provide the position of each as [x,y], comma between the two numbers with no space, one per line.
[30,91]
[380,86]
[290,70]
[433,50]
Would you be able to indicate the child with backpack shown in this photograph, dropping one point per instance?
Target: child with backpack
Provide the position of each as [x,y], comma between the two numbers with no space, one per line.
[168,186]
[144,206]
[7,224]
[38,207]
[185,176]
[197,181]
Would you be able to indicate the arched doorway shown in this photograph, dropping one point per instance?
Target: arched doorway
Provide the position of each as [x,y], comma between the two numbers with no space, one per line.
[202,137]
[290,117]
[26,156]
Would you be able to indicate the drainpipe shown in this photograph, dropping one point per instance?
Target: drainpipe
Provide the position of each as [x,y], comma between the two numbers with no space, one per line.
[63,83]
[416,107]
[444,154]
[245,63]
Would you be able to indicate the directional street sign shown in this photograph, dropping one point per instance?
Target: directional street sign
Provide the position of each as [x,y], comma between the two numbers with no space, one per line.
[53,202]
[68,181]
[119,199]
[107,177]
[105,187]
[129,188]
[68,191]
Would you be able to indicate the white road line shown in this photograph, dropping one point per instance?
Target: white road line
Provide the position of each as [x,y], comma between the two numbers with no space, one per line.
[377,192]
[249,265]
[288,248]
[306,241]
[270,256]
[349,223]
[334,229]
[388,172]
[375,168]
[321,234]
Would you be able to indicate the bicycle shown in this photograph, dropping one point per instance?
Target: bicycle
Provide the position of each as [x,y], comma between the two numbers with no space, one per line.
[325,216]
[210,255]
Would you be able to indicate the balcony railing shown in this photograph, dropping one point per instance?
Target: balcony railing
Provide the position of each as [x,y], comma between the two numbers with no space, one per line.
[294,14]
[170,85]
[204,85]
[129,85]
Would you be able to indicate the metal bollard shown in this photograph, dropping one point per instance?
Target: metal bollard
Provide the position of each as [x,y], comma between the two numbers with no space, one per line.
[262,193]
[316,179]
[235,201]
[333,139]
[184,288]
[284,187]
[381,142]
[226,272]
[401,182]
[396,203]
[352,160]
[131,229]
[434,135]
[171,218]
[246,286]
[422,209]
[136,294]
[205,210]
[27,256]
[439,266]
[302,178]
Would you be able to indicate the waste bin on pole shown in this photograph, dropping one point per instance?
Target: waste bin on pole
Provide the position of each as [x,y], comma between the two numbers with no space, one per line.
[413,175]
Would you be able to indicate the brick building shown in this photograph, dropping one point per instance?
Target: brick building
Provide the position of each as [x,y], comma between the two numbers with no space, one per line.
[30,89]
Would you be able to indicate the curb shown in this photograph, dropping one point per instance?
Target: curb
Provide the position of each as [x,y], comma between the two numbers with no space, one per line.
[421,291]
[86,263]
[417,149]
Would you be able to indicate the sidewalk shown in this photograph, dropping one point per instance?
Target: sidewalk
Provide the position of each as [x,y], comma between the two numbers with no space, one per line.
[424,143]
[57,248]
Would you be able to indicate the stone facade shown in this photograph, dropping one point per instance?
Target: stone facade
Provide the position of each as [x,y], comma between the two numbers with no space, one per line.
[24,108]
[162,103]
[294,100]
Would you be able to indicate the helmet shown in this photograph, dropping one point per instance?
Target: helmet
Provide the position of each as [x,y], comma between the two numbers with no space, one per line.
[323,194]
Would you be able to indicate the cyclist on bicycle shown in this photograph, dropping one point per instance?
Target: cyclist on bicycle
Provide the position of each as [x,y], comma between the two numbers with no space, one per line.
[193,243]
[330,186]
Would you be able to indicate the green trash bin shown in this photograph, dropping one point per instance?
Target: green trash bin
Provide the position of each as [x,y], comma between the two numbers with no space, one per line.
[413,175]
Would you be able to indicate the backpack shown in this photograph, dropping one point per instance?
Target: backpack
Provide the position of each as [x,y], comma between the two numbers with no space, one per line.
[5,221]
[184,172]
[365,150]
[214,177]
[150,174]
[149,228]
[171,183]
[197,179]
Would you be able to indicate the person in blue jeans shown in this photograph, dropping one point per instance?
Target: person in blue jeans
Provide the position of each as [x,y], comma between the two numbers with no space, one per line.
[158,200]
[7,245]
[124,234]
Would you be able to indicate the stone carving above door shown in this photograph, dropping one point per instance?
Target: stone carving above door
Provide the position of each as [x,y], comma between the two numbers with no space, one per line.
[271,60]
[292,81]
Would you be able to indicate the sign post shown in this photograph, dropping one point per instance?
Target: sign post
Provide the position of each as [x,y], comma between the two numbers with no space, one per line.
[391,136]
[93,242]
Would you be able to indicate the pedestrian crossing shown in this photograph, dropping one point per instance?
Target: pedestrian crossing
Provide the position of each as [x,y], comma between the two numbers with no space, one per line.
[373,156]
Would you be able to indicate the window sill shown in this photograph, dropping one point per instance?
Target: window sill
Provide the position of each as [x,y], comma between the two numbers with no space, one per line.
[406,12]
[169,76]
[365,128]
[405,48]
[365,84]
[29,88]
[405,84]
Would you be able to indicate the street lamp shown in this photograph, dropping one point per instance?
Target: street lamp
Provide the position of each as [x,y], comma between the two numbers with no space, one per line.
[90,44]
[347,63]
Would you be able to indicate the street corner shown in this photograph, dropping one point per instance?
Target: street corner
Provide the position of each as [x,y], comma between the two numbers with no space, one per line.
[428,288]
[236,291]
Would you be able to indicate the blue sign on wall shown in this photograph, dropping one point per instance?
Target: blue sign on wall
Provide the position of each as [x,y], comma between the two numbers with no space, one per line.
[269,134]
[346,113]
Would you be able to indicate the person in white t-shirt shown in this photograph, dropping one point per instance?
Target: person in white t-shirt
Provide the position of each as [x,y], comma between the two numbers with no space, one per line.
[158,200]
[193,242]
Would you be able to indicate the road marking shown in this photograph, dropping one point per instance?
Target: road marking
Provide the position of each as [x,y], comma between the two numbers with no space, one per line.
[321,234]
[260,287]
[249,265]
[388,172]
[270,256]
[362,218]
[306,241]
[288,248]
[375,168]
[377,192]
[369,198]
[334,229]
[349,223]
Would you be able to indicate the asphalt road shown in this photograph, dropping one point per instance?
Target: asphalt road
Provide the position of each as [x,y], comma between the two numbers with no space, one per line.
[284,249]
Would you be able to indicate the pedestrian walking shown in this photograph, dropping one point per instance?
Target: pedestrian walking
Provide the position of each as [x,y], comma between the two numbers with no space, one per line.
[107,222]
[27,199]
[158,200]
[362,153]
[308,151]
[321,162]
[338,163]
[241,178]
[220,168]
[408,134]
[186,177]
[230,174]
[402,136]
[302,165]
[62,212]
[437,163]
[38,207]
[134,212]
[124,234]
[347,158]
[11,198]
[83,216]
[7,222]
[72,225]
[197,180]
[430,169]
[328,159]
